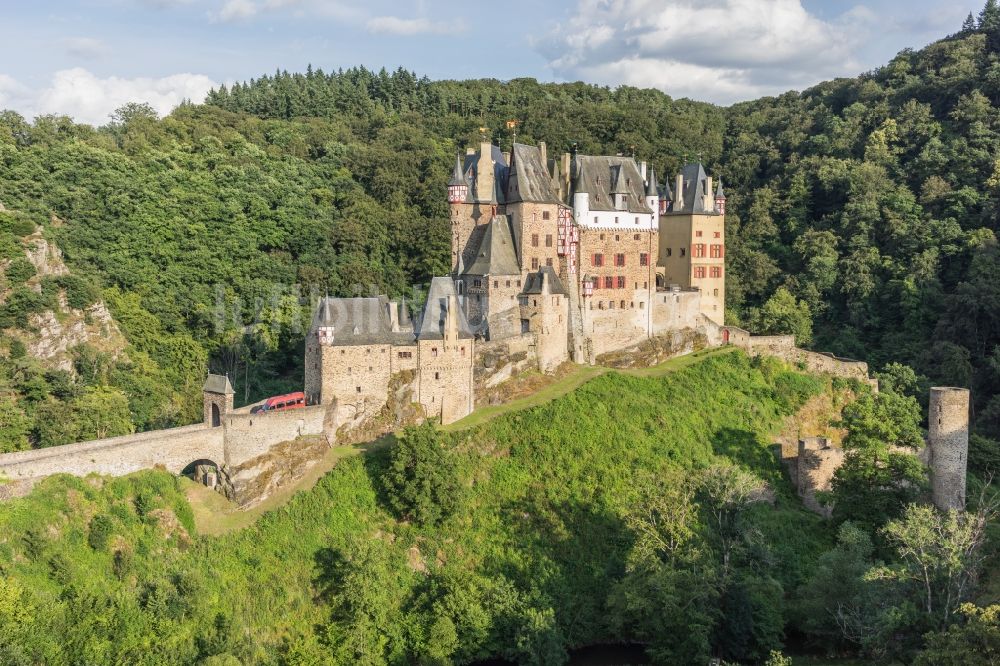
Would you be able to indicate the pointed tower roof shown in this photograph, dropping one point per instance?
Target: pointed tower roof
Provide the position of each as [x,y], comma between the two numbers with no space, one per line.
[458,175]
[433,320]
[651,184]
[218,384]
[666,192]
[694,192]
[719,192]
[495,255]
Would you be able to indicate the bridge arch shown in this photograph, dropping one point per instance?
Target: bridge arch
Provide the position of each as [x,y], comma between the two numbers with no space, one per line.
[204,471]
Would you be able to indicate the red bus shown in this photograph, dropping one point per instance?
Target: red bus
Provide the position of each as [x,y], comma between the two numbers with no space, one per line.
[278,403]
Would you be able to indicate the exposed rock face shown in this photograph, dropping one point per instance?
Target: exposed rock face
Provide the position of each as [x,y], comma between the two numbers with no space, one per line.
[57,332]
[44,256]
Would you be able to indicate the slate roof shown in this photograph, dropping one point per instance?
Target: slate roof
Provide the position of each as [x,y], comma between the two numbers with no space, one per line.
[218,384]
[694,191]
[596,176]
[359,321]
[666,192]
[495,255]
[719,192]
[500,170]
[432,320]
[528,177]
[535,282]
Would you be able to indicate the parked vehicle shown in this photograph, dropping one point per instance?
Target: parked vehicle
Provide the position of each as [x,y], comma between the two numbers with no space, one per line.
[281,403]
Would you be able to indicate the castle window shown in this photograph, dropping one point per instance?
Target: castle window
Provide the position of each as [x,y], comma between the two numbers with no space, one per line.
[548,240]
[518,283]
[637,219]
[718,234]
[611,305]
[534,263]
[715,292]
[508,283]
[643,259]
[602,235]
[697,234]
[645,285]
[595,219]
[341,352]
[642,305]
[405,354]
[621,283]
[358,388]
[715,271]
[617,237]
[463,351]
[699,271]
[620,259]
[683,251]
[437,375]
[548,261]
[534,302]
[616,219]
[635,237]
[609,282]
[545,214]
[370,368]
[477,283]
[670,251]
[598,259]
[534,240]
[434,352]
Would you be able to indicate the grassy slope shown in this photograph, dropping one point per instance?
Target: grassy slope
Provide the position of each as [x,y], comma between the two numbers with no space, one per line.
[547,491]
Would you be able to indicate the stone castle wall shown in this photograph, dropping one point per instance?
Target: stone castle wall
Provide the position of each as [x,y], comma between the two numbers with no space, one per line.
[783,347]
[813,471]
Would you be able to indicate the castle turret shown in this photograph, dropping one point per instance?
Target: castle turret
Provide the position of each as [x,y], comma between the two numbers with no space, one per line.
[720,199]
[666,198]
[217,399]
[652,195]
[458,186]
[619,191]
[948,439]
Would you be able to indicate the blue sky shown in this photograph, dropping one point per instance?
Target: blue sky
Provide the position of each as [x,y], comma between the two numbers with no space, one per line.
[86,58]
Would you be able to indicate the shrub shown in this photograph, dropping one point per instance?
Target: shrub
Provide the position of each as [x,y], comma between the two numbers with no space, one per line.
[422,479]
[19,271]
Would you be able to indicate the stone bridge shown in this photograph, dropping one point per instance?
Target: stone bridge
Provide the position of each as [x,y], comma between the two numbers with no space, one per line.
[225,439]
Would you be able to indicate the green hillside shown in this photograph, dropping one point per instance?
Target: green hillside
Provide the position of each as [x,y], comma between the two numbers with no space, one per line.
[540,554]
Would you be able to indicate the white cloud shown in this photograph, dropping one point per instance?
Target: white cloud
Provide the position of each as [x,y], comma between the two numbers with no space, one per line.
[90,99]
[85,47]
[395,25]
[237,10]
[715,50]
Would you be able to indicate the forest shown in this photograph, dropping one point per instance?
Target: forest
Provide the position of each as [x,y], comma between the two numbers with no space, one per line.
[862,217]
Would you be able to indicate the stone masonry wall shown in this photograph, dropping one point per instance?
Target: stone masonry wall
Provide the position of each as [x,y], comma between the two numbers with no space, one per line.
[783,347]
[172,449]
[814,469]
[250,435]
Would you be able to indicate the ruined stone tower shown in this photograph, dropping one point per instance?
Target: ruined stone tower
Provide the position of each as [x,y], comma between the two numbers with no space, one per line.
[948,439]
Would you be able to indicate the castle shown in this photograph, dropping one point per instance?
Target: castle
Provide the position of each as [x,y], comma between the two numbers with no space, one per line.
[552,261]
[575,257]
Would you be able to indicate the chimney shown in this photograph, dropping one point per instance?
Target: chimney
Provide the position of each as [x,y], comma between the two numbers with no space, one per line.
[545,153]
[470,151]
[679,193]
[484,173]
[506,156]
[567,181]
[642,170]
[451,318]
[392,309]
[709,194]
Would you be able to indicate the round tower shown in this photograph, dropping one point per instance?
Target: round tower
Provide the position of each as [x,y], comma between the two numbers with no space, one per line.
[458,186]
[720,199]
[948,439]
